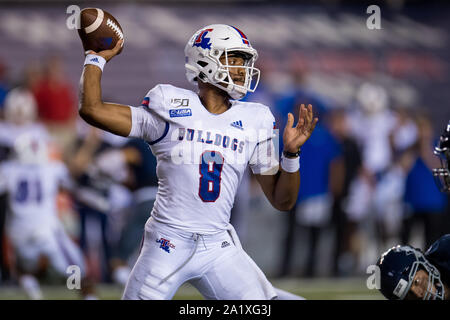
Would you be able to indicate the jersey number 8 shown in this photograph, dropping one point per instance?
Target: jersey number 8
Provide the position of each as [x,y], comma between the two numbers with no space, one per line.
[211,165]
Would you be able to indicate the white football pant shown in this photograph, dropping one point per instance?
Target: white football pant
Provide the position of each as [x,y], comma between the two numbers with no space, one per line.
[53,242]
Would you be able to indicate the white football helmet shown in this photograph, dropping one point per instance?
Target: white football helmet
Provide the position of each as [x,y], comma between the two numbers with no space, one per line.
[205,48]
[29,149]
[372,98]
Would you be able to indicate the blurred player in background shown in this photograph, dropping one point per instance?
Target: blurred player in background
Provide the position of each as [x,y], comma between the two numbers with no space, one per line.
[346,243]
[95,173]
[407,273]
[423,202]
[143,183]
[39,240]
[372,124]
[19,117]
[56,104]
[188,236]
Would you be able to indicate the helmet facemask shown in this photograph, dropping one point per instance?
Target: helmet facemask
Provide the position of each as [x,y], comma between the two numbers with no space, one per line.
[442,175]
[251,74]
[442,150]
[434,280]
[218,74]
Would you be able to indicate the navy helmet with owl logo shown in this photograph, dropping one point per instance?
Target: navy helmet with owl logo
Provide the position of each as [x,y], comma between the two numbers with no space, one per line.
[398,267]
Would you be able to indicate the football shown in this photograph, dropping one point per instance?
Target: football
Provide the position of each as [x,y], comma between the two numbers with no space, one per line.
[99,30]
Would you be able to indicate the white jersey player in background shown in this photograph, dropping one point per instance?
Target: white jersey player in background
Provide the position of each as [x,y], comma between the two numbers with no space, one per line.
[20,116]
[38,238]
[203,142]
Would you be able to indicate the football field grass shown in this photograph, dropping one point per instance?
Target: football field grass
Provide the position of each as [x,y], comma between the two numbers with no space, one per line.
[311,289]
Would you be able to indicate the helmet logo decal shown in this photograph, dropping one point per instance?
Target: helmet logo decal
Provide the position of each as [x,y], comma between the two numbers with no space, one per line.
[201,40]
[243,36]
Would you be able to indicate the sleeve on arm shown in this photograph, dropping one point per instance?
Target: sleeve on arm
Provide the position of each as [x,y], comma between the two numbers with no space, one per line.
[146,120]
[264,159]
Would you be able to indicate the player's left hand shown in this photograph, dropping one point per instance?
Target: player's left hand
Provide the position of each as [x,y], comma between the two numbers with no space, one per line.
[295,137]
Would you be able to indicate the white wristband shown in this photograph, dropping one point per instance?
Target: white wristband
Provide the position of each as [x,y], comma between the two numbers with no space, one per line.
[290,165]
[95,60]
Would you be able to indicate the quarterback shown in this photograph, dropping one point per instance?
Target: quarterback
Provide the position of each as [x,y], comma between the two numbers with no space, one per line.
[203,142]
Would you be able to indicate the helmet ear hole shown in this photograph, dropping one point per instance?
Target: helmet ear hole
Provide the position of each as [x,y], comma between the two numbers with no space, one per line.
[220,76]
[215,53]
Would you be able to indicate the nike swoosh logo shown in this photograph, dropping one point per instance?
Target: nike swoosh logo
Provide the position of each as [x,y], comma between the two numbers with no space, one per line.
[225,38]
